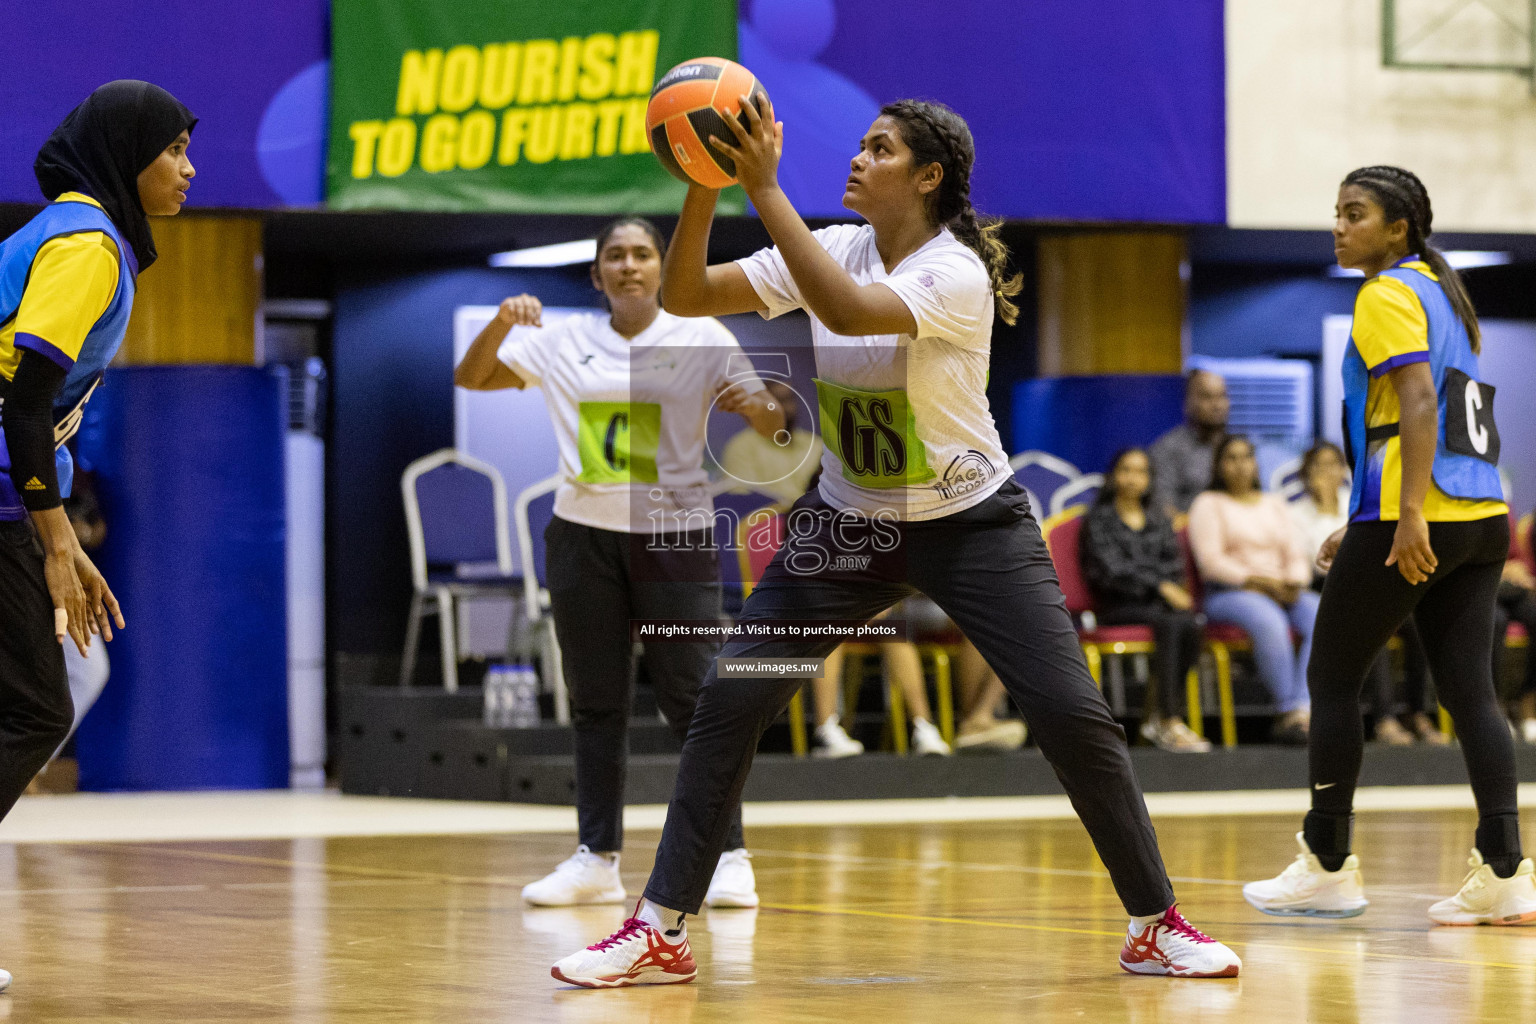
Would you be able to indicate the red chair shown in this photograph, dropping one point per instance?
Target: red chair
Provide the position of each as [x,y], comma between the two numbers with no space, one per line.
[1063,537]
[758,539]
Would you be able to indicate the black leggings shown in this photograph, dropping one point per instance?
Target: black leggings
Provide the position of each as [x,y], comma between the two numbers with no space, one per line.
[598,581]
[988,569]
[1177,636]
[36,712]
[1364,602]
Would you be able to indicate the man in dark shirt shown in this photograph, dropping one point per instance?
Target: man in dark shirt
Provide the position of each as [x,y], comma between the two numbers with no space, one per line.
[1181,458]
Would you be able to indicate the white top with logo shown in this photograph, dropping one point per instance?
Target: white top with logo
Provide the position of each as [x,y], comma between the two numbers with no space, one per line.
[904,418]
[630,414]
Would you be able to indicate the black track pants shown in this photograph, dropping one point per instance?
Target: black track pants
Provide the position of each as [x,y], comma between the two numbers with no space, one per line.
[598,581]
[35,709]
[988,569]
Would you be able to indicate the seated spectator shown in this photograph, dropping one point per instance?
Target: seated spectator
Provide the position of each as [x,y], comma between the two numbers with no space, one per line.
[782,466]
[980,693]
[904,666]
[1256,574]
[978,690]
[1323,508]
[1517,602]
[1133,565]
[1182,458]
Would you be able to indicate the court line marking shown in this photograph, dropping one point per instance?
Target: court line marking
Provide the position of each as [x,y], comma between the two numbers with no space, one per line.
[1395,890]
[835,911]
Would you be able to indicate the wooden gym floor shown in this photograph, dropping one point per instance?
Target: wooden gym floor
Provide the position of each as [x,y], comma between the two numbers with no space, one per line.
[988,921]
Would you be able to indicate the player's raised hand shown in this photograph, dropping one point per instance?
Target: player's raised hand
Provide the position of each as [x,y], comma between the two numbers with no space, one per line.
[521,311]
[757,146]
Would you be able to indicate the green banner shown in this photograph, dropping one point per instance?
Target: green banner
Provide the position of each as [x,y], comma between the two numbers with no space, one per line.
[523,106]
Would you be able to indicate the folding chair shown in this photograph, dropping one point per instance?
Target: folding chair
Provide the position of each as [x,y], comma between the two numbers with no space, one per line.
[1063,536]
[531,513]
[456,518]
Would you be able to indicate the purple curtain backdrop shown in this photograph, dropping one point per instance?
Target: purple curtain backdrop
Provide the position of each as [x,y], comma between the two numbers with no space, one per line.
[1112,110]
[226,61]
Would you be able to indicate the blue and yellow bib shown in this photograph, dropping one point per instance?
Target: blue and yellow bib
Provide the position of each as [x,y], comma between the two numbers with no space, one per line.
[1402,316]
[84,358]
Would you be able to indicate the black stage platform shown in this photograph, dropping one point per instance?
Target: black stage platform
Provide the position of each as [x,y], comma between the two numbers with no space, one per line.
[427,743]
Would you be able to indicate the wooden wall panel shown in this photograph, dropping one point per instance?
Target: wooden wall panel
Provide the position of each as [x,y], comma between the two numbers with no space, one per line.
[198,303]
[1111,302]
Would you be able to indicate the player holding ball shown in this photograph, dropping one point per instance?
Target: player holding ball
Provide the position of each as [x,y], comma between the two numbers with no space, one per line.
[901,312]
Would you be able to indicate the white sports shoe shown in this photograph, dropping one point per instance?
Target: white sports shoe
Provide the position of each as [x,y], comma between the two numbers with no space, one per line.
[5,980]
[927,740]
[1172,946]
[637,954]
[833,741]
[584,877]
[1485,898]
[1305,890]
[734,884]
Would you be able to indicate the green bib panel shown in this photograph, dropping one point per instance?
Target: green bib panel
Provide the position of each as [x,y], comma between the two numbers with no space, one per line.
[873,435]
[618,442]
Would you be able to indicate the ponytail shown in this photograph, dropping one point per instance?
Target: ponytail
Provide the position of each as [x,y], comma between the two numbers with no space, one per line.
[938,135]
[1402,196]
[1456,291]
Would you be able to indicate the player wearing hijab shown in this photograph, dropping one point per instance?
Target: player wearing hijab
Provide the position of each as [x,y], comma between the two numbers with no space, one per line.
[66,291]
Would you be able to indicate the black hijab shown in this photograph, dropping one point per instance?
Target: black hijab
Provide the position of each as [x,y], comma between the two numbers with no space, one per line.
[103,145]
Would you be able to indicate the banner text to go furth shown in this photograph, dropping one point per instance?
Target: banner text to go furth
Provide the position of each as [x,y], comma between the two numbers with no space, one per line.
[538,100]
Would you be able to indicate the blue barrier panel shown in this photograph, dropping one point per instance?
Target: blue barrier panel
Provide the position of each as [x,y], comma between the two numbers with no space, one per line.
[189,461]
[1085,420]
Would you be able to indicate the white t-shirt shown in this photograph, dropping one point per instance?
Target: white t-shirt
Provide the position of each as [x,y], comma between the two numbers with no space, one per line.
[904,418]
[629,414]
[1314,525]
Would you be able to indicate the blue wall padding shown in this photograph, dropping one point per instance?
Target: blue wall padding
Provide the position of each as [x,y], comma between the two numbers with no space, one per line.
[1247,315]
[1085,420]
[189,462]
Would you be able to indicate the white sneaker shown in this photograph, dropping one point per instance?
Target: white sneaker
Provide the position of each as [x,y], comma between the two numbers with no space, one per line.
[1172,946]
[584,877]
[5,980]
[1305,890]
[1485,898]
[1173,735]
[1002,734]
[734,884]
[833,741]
[638,953]
[927,740]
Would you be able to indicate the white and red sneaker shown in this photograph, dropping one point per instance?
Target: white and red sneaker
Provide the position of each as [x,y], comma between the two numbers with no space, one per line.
[638,953]
[1172,946]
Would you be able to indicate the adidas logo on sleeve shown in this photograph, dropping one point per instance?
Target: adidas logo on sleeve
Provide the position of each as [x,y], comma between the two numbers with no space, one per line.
[34,485]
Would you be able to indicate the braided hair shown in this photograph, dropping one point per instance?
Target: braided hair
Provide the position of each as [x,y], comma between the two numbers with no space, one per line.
[938,135]
[1402,196]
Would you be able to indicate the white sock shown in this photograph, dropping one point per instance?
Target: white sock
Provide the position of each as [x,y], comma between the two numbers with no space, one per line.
[1140,923]
[670,923]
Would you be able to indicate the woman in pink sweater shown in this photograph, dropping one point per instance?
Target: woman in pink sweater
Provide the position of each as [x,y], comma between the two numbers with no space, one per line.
[1255,569]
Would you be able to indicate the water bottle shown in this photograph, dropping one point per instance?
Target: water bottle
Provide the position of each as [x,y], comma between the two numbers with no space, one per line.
[522,697]
[495,689]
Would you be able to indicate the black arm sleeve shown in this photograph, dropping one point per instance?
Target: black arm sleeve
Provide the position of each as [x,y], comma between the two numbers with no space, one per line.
[28,423]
